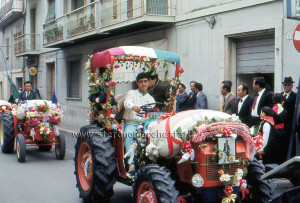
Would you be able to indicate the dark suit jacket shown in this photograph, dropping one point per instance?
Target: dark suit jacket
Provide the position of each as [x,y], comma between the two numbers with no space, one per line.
[265,100]
[289,106]
[192,100]
[159,93]
[229,104]
[201,102]
[245,111]
[182,102]
[32,95]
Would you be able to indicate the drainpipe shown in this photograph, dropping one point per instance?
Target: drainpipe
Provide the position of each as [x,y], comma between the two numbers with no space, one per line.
[23,31]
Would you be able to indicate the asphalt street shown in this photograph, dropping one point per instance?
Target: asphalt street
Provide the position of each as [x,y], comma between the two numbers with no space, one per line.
[42,178]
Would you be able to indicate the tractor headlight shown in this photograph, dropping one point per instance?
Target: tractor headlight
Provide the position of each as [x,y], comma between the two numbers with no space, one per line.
[197,180]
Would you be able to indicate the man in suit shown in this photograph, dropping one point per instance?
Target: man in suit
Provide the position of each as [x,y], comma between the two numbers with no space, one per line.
[201,102]
[156,90]
[228,99]
[192,96]
[262,98]
[243,104]
[28,93]
[289,105]
[181,98]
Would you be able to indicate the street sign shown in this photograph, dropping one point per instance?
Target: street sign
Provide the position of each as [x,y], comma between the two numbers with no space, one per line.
[296,38]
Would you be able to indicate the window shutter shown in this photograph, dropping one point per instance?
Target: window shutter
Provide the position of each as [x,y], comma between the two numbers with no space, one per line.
[51,11]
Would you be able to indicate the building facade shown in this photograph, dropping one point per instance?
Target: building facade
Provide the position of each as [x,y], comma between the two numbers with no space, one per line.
[216,40]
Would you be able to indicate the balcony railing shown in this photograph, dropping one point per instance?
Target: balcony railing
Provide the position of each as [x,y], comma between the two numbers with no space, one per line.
[119,11]
[27,43]
[81,20]
[10,8]
[53,31]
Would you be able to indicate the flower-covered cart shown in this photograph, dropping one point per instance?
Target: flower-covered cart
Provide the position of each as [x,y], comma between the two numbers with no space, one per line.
[34,123]
[196,155]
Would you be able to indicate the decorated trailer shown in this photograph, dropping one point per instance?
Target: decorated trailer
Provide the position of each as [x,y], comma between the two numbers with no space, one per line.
[191,156]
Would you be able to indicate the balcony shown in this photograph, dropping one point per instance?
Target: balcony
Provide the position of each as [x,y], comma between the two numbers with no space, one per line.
[104,19]
[27,45]
[53,31]
[10,12]
[136,13]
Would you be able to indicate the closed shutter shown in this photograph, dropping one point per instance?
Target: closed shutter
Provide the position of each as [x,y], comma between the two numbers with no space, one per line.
[73,80]
[255,54]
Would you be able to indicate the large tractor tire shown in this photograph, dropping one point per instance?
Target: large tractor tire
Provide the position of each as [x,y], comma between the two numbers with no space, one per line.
[60,149]
[7,137]
[95,165]
[154,184]
[262,190]
[21,148]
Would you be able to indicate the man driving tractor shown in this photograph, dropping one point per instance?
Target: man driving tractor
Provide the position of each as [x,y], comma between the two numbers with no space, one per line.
[135,99]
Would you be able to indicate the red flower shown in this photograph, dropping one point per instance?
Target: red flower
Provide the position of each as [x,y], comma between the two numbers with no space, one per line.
[113,83]
[117,66]
[25,111]
[109,127]
[228,190]
[181,70]
[186,146]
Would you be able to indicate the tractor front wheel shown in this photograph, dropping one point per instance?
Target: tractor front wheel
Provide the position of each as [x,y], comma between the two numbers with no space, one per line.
[95,165]
[21,148]
[154,184]
[60,147]
[7,137]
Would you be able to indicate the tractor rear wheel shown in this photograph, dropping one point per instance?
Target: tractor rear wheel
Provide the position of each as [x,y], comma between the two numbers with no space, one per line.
[154,184]
[7,137]
[262,190]
[95,165]
[60,149]
[21,148]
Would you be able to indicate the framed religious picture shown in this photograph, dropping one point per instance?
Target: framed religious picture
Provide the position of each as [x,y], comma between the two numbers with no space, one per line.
[226,149]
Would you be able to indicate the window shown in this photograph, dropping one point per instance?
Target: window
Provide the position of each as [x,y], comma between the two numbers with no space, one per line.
[115,9]
[7,47]
[157,7]
[51,10]
[73,79]
[19,82]
[129,8]
[297,7]
[77,4]
[50,80]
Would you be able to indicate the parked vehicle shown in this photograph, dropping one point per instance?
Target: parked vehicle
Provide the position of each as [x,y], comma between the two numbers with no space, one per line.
[188,156]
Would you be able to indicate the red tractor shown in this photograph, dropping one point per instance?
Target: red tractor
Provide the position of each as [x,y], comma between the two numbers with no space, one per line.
[32,123]
[195,155]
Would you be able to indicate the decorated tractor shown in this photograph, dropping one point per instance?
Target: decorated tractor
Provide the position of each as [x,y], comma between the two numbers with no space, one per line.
[191,156]
[33,123]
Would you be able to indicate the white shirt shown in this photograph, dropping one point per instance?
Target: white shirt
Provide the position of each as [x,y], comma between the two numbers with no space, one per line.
[135,98]
[241,103]
[266,134]
[254,111]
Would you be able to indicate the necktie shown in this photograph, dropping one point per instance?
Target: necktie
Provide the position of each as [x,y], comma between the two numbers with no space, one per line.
[284,96]
[254,102]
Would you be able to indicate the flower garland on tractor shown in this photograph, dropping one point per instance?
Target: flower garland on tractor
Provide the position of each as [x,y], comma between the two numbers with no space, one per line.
[104,84]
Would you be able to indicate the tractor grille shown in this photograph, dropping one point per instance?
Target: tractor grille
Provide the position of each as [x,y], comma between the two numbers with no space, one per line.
[213,167]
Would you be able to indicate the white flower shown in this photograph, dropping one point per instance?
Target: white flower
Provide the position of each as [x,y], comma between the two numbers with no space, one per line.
[3,107]
[112,115]
[225,177]
[237,182]
[239,172]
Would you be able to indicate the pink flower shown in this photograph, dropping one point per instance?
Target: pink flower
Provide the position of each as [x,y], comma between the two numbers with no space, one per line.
[117,66]
[107,83]
[181,70]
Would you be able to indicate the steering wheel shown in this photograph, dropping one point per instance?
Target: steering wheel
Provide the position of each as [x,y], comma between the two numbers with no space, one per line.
[148,107]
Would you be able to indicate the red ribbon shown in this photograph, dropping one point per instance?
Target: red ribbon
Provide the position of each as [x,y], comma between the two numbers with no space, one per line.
[226,131]
[186,147]
[165,116]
